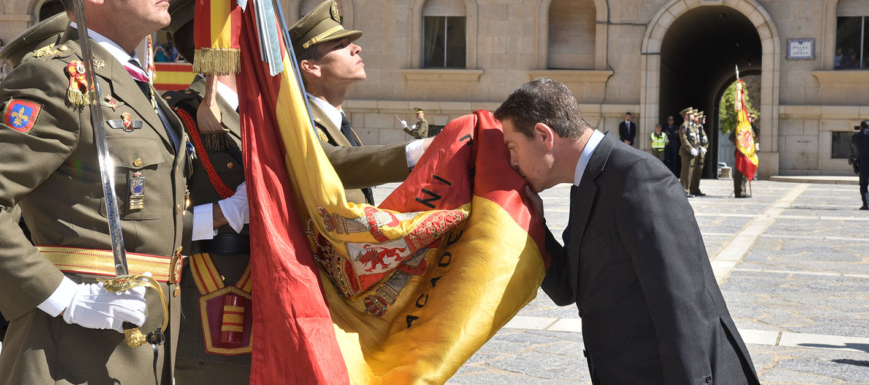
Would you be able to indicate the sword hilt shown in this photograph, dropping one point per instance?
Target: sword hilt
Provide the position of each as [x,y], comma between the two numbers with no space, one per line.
[132,334]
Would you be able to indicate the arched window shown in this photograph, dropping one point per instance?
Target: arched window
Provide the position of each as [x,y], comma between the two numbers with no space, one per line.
[571,34]
[444,34]
[852,35]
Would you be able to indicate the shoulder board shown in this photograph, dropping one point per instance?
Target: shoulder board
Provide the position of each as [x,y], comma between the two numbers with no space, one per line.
[175,98]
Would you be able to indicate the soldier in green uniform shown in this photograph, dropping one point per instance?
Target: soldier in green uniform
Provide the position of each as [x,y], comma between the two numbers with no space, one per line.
[688,150]
[66,328]
[420,129]
[740,189]
[330,64]
[703,147]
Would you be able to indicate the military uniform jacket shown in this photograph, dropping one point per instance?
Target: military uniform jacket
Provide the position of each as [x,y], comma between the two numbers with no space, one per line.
[50,168]
[230,170]
[363,166]
[688,139]
[421,131]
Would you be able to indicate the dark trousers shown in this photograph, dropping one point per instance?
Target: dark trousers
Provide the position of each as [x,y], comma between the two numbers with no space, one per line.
[864,185]
[671,158]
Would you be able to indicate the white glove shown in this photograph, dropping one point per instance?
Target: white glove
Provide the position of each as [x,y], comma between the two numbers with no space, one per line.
[94,307]
[694,152]
[404,123]
[702,150]
[757,147]
[235,208]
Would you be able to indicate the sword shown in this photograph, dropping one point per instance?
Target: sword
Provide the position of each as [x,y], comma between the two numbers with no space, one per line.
[123,280]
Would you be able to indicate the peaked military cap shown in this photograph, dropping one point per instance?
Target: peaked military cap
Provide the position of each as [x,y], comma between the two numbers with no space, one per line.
[417,109]
[700,114]
[39,35]
[322,24]
[687,111]
[182,13]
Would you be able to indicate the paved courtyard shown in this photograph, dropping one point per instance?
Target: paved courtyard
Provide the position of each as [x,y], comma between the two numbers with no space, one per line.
[791,262]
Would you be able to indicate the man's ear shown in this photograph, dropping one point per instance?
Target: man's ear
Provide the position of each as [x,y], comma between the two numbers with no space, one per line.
[545,134]
[307,66]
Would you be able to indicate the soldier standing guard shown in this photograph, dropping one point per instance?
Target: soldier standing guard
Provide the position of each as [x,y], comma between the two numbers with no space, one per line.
[420,129]
[688,149]
[49,166]
[700,160]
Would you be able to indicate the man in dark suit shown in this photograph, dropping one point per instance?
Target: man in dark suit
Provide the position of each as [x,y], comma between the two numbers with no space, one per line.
[860,147]
[633,258]
[628,130]
[671,152]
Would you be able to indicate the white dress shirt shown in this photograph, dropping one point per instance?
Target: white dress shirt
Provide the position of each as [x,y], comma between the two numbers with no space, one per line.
[582,163]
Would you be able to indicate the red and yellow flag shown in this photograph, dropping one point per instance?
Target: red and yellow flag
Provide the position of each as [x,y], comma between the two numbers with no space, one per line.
[746,155]
[403,293]
[218,26]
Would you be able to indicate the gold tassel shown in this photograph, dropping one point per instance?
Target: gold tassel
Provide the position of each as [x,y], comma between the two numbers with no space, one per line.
[218,141]
[77,98]
[217,61]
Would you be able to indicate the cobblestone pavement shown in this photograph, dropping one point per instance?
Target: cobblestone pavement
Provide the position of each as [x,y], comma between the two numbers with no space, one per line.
[792,265]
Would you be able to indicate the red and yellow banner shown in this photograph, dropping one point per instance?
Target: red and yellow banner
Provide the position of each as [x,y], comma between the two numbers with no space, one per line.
[746,155]
[173,76]
[403,293]
[218,26]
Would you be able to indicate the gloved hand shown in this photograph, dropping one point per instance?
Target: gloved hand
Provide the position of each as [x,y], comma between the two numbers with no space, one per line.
[404,123]
[703,150]
[94,307]
[694,152]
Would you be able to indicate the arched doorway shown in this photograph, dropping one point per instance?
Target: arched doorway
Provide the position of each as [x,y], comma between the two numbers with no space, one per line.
[699,52]
[690,54]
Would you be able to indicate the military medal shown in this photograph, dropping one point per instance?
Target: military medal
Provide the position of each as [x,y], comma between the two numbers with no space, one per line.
[78,86]
[98,63]
[126,123]
[137,191]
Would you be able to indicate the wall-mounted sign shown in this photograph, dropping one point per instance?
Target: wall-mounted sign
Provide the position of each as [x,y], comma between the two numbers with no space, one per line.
[801,49]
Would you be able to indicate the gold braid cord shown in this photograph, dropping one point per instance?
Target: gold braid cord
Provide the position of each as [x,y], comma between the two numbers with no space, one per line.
[217,61]
[134,337]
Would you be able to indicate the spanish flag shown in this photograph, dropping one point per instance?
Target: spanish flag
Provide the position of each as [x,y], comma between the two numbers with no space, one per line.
[746,155]
[403,293]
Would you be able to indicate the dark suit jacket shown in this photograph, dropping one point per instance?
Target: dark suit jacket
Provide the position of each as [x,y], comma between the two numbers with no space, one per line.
[634,262]
[626,134]
[860,147]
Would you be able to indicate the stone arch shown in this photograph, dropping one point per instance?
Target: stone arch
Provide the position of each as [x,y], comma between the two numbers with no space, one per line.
[771,64]
[600,37]
[415,42]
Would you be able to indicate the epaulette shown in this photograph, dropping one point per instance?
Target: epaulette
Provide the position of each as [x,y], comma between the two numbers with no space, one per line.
[175,98]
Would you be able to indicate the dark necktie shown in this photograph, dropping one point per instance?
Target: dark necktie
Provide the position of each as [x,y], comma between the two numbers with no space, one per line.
[347,131]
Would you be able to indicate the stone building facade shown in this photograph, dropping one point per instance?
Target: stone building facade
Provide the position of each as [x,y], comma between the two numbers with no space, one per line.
[650,57]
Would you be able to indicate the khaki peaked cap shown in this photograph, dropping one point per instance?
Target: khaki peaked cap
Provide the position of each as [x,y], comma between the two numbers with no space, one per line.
[322,24]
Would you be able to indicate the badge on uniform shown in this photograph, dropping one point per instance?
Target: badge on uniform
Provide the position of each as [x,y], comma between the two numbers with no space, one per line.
[78,85]
[21,115]
[126,123]
[137,191]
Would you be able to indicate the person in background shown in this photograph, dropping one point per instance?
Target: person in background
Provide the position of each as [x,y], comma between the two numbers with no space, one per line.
[837,60]
[627,130]
[420,129]
[860,147]
[660,140]
[671,151]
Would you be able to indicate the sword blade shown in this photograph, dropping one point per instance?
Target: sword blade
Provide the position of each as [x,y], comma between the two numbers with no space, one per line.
[106,166]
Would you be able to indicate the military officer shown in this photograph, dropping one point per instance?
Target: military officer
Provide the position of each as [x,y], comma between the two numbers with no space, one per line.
[330,64]
[688,150]
[739,180]
[703,147]
[420,129]
[65,326]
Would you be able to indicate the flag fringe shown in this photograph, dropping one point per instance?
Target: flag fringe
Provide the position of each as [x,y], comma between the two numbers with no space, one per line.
[217,61]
